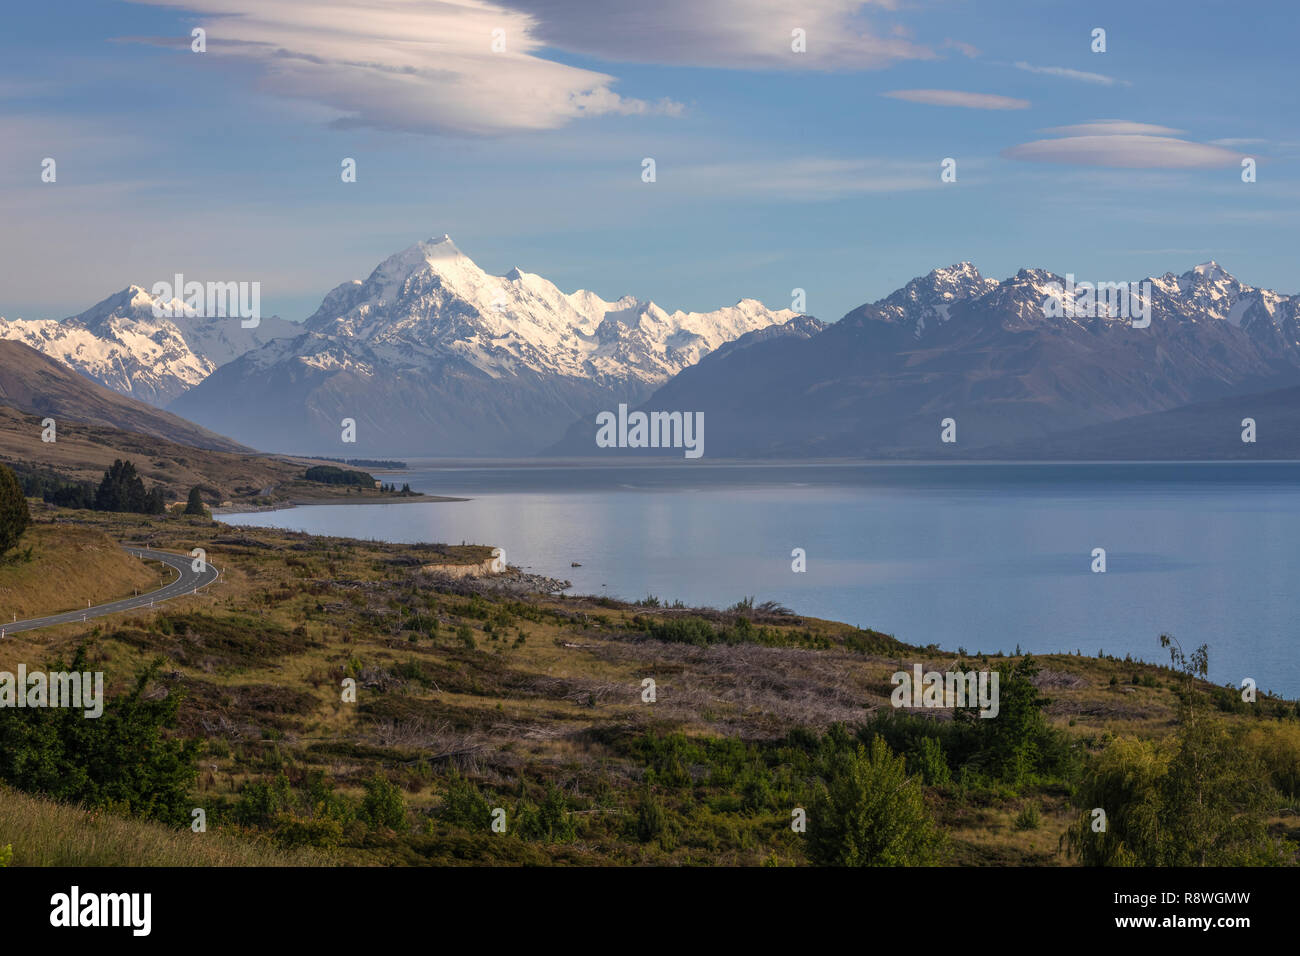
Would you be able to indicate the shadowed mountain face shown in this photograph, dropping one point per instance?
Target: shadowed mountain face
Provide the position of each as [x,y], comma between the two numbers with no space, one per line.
[431,355]
[993,356]
[1204,431]
[34,383]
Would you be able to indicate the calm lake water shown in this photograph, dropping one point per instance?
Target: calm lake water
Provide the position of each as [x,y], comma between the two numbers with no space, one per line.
[978,556]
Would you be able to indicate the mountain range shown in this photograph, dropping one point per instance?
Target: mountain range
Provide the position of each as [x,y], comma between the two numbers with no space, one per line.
[431,355]
[994,358]
[121,344]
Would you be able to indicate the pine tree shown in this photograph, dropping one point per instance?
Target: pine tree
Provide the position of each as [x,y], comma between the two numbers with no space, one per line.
[14,516]
[194,506]
[123,490]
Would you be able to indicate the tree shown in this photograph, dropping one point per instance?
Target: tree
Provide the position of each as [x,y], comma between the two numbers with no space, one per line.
[331,475]
[1019,743]
[194,506]
[1201,799]
[14,516]
[124,759]
[123,490]
[870,813]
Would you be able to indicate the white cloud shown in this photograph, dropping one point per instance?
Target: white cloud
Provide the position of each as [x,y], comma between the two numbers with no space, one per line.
[1118,143]
[402,64]
[974,101]
[1069,74]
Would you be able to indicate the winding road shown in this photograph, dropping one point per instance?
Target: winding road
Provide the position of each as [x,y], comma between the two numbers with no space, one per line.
[187,582]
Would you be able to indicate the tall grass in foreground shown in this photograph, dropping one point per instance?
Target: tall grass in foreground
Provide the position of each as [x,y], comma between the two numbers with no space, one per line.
[46,833]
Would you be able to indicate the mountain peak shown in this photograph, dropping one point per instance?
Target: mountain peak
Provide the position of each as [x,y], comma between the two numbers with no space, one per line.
[1212,271]
[438,255]
[963,268]
[438,248]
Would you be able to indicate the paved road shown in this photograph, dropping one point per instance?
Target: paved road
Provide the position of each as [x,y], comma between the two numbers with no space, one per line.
[185,583]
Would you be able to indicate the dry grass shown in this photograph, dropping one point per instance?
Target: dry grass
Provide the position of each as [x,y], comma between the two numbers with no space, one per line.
[69,566]
[46,833]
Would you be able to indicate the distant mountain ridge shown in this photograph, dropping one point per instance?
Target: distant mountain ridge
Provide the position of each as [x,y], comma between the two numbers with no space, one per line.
[121,344]
[953,344]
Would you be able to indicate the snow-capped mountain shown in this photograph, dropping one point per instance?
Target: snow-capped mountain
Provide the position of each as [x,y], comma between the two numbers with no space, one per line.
[926,301]
[1207,292]
[431,303]
[431,354]
[1004,359]
[121,344]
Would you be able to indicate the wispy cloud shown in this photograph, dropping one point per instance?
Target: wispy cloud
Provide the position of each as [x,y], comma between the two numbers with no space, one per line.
[973,101]
[1113,128]
[734,34]
[1066,73]
[807,178]
[965,49]
[1123,144]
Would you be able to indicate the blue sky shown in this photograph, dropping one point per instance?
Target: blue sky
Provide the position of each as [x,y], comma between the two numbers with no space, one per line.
[775,170]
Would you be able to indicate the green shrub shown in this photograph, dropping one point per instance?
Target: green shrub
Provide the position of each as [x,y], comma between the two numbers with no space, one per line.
[868,812]
[932,763]
[383,805]
[122,759]
[650,819]
[293,831]
[1029,818]
[550,822]
[260,802]
[464,805]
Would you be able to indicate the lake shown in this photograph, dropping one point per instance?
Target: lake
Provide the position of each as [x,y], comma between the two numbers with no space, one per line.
[980,556]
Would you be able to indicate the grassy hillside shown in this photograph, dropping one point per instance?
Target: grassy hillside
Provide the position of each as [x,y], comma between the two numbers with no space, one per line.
[69,566]
[470,699]
[39,385]
[82,453]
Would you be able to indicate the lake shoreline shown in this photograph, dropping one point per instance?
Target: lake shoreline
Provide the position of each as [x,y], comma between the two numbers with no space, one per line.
[296,502]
